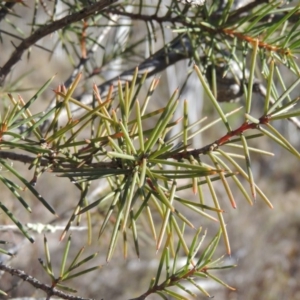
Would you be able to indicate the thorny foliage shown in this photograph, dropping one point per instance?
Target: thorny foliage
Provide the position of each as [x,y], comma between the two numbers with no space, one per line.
[236,49]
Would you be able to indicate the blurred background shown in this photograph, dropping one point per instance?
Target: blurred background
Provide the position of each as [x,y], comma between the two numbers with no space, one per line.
[265,242]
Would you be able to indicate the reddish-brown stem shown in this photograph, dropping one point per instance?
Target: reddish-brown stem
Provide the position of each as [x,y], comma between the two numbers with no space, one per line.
[221,141]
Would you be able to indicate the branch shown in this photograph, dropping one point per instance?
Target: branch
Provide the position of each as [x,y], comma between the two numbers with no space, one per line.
[47,29]
[178,49]
[234,15]
[20,39]
[26,159]
[264,120]
[38,285]
[45,161]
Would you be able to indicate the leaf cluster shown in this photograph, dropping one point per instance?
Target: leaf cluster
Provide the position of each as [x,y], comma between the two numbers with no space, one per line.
[150,180]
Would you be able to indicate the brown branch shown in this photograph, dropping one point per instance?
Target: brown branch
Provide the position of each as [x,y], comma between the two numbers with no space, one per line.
[251,40]
[20,39]
[38,285]
[230,32]
[148,18]
[26,159]
[50,28]
[171,281]
[236,14]
[46,161]
[177,156]
[221,141]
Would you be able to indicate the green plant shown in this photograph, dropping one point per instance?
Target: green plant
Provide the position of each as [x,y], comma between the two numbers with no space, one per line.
[115,139]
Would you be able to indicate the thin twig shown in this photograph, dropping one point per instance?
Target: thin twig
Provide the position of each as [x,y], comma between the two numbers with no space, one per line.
[26,159]
[38,285]
[21,39]
[50,28]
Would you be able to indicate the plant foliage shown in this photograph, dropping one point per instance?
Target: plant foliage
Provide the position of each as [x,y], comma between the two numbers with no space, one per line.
[151,180]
